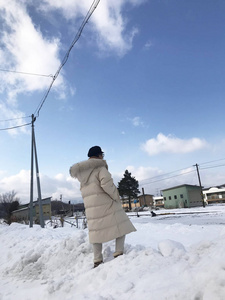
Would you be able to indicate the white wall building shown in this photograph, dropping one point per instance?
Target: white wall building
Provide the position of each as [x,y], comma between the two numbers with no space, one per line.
[214,194]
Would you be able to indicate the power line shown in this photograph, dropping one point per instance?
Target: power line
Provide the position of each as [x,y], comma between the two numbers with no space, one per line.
[211,161]
[14,127]
[165,174]
[168,177]
[78,35]
[154,179]
[17,126]
[19,118]
[26,73]
[212,167]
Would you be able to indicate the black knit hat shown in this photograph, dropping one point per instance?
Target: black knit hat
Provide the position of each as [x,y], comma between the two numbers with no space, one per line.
[95,151]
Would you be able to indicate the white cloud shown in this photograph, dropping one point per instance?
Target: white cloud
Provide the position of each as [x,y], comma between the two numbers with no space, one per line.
[172,144]
[148,45]
[10,113]
[61,185]
[137,2]
[108,22]
[141,173]
[136,121]
[154,180]
[111,25]
[144,175]
[50,187]
[25,48]
[20,183]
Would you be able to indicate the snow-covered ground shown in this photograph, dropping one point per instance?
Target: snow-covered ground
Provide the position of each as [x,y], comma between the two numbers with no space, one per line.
[176,256]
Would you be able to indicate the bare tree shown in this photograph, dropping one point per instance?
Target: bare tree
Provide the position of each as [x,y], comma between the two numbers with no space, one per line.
[8,203]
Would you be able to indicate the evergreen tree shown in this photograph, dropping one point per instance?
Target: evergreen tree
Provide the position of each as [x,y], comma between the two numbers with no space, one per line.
[128,186]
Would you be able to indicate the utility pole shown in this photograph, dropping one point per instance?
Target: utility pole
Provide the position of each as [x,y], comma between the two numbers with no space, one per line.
[34,153]
[143,193]
[32,173]
[203,202]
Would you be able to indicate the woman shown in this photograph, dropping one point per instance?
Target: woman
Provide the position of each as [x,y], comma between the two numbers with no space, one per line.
[105,215]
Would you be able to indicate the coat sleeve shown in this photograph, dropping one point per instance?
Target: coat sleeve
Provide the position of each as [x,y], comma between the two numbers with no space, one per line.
[107,184]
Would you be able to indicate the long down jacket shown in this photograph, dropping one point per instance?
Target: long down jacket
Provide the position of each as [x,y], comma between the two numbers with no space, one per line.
[105,215]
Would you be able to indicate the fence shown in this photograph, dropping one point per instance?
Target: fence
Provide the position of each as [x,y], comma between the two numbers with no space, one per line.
[79,222]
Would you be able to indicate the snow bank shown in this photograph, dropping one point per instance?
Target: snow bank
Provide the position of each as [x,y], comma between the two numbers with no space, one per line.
[162,261]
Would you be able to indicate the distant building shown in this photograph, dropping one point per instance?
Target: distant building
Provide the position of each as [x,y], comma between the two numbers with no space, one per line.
[158,202]
[60,208]
[182,196]
[23,213]
[125,203]
[145,200]
[79,207]
[214,194]
[140,201]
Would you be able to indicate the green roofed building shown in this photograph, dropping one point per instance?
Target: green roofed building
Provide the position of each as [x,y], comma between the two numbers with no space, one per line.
[182,196]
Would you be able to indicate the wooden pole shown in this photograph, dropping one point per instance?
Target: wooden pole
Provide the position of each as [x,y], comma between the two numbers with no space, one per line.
[202,196]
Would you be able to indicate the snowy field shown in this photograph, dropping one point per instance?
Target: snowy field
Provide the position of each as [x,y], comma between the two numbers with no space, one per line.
[171,256]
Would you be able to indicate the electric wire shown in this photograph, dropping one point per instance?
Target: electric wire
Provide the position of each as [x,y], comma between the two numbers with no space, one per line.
[14,127]
[17,126]
[212,167]
[211,161]
[19,118]
[157,178]
[165,174]
[26,73]
[78,35]
[154,181]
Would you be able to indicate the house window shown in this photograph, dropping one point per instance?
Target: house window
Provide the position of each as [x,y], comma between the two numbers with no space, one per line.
[169,197]
[164,198]
[181,195]
[175,196]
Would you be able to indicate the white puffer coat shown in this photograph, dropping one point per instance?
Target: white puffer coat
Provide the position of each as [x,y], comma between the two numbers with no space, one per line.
[105,215]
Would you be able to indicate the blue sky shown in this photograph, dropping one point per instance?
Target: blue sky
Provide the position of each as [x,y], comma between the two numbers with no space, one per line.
[145,82]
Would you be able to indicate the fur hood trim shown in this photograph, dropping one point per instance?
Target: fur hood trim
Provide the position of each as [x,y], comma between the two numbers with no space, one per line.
[83,169]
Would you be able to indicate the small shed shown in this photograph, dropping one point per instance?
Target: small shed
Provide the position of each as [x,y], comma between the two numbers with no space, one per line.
[145,200]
